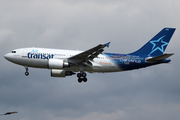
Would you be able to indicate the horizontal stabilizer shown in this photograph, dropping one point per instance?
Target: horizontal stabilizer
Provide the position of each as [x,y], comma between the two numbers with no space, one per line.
[159,58]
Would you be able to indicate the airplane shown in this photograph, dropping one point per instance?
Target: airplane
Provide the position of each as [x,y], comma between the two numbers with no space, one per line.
[64,63]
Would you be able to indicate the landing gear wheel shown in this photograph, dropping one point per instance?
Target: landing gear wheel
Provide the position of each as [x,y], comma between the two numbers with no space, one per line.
[85,79]
[84,74]
[79,80]
[26,73]
[79,75]
[82,77]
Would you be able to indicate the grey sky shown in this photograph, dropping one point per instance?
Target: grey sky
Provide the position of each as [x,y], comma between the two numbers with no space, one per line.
[150,93]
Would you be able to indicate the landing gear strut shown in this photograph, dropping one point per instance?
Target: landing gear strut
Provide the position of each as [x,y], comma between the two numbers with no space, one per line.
[26,73]
[82,77]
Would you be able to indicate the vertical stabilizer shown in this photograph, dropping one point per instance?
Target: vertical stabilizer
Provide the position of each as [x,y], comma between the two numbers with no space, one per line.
[157,45]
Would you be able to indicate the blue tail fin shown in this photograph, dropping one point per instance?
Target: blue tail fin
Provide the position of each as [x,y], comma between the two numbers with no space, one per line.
[157,45]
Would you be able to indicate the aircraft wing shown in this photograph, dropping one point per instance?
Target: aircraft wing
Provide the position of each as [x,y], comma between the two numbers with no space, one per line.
[159,58]
[89,54]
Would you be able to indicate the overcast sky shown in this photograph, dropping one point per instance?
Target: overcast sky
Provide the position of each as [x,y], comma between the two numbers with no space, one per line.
[151,93]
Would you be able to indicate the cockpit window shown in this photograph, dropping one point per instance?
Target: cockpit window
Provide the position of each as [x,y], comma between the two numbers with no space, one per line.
[13,51]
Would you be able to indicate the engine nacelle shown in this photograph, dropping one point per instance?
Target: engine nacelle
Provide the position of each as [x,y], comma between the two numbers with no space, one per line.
[61,73]
[57,64]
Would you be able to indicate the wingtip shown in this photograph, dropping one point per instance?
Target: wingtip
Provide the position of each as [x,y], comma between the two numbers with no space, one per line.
[107,44]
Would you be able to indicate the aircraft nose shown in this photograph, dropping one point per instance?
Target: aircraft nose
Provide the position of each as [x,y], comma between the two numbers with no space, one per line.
[7,56]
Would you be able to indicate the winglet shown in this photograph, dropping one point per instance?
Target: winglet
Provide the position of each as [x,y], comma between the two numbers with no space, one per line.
[107,44]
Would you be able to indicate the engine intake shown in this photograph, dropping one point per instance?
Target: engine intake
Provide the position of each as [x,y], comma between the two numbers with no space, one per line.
[61,73]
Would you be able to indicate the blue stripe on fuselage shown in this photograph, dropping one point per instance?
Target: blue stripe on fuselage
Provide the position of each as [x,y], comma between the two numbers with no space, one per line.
[129,62]
[126,62]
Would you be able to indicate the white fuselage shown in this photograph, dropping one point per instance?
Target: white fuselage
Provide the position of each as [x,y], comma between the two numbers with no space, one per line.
[39,57]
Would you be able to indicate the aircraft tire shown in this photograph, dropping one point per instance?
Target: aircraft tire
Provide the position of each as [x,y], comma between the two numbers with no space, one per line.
[79,80]
[78,75]
[84,74]
[26,73]
[85,79]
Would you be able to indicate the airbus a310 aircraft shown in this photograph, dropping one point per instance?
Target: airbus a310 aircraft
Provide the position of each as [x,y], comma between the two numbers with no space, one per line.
[66,62]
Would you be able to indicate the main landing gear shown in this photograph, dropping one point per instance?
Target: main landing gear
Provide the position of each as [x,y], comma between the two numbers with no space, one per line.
[26,73]
[82,77]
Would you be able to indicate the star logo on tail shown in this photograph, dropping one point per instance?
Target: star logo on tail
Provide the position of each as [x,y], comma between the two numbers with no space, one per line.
[158,45]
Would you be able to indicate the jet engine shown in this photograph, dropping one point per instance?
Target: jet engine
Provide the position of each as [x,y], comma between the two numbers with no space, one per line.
[61,73]
[57,64]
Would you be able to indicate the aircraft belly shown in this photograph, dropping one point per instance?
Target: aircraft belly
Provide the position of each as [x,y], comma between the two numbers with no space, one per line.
[106,69]
[39,63]
[93,69]
[36,63]
[105,66]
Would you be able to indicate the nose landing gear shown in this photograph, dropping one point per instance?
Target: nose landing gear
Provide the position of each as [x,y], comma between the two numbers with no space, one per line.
[26,73]
[82,77]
